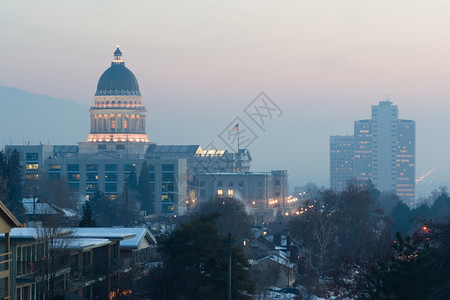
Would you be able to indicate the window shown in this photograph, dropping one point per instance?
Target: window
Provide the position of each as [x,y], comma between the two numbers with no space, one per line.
[110,168]
[277,182]
[91,168]
[260,183]
[219,183]
[241,183]
[230,193]
[32,166]
[230,183]
[260,193]
[111,177]
[101,147]
[110,187]
[91,177]
[120,147]
[168,208]
[202,183]
[166,168]
[54,167]
[73,176]
[73,167]
[219,193]
[32,157]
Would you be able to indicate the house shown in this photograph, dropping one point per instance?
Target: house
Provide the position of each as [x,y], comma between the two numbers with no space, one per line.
[30,271]
[260,247]
[95,260]
[273,270]
[7,222]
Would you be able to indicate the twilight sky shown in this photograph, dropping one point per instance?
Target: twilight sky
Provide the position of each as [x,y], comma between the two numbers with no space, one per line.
[200,63]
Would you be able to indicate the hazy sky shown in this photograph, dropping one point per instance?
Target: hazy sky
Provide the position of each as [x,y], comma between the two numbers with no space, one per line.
[200,63]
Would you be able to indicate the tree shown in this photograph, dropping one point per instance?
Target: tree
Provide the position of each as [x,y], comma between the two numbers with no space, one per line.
[233,217]
[145,189]
[56,191]
[11,172]
[114,212]
[87,220]
[315,231]
[50,268]
[195,264]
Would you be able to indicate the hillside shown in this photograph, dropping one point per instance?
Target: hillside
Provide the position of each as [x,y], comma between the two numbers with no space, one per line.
[27,117]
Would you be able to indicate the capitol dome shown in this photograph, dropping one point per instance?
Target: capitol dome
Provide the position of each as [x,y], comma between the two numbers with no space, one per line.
[117,79]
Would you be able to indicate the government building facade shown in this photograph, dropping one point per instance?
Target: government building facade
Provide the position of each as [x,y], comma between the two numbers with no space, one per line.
[118,145]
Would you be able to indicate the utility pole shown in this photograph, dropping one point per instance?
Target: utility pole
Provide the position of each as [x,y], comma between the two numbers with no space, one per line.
[229,267]
[126,203]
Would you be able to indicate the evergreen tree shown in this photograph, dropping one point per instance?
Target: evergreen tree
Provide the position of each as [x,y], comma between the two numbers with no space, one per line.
[12,172]
[87,220]
[233,216]
[145,189]
[132,180]
[196,264]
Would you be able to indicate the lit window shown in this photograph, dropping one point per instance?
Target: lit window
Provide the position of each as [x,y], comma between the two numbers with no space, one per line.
[220,193]
[125,124]
[113,124]
[32,166]
[230,193]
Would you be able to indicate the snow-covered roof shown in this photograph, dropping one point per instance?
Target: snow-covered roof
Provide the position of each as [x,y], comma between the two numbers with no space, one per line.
[80,244]
[38,209]
[278,259]
[112,233]
[31,233]
[140,234]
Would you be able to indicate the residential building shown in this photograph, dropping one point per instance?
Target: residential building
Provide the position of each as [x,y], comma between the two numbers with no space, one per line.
[7,223]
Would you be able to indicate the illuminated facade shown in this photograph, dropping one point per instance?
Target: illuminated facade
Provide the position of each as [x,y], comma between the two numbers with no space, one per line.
[263,193]
[118,116]
[118,145]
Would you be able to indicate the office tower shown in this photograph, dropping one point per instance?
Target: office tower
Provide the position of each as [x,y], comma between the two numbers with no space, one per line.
[363,150]
[384,152]
[406,154]
[384,145]
[341,161]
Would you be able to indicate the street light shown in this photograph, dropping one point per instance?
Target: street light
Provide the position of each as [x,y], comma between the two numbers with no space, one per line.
[229,262]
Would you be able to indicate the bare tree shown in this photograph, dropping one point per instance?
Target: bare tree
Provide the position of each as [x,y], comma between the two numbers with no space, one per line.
[54,262]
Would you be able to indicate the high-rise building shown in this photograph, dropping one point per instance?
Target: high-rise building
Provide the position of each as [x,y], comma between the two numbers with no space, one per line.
[406,156]
[341,161]
[384,152]
[363,150]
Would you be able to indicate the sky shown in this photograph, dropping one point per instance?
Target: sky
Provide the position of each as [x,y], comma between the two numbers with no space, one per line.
[199,64]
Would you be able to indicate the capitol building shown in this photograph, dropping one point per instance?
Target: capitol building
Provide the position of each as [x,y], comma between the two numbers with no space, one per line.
[181,176]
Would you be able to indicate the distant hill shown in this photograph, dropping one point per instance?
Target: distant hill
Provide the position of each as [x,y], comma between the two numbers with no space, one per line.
[27,117]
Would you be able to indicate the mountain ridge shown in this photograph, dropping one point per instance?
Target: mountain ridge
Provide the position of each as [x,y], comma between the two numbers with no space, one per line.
[27,117]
